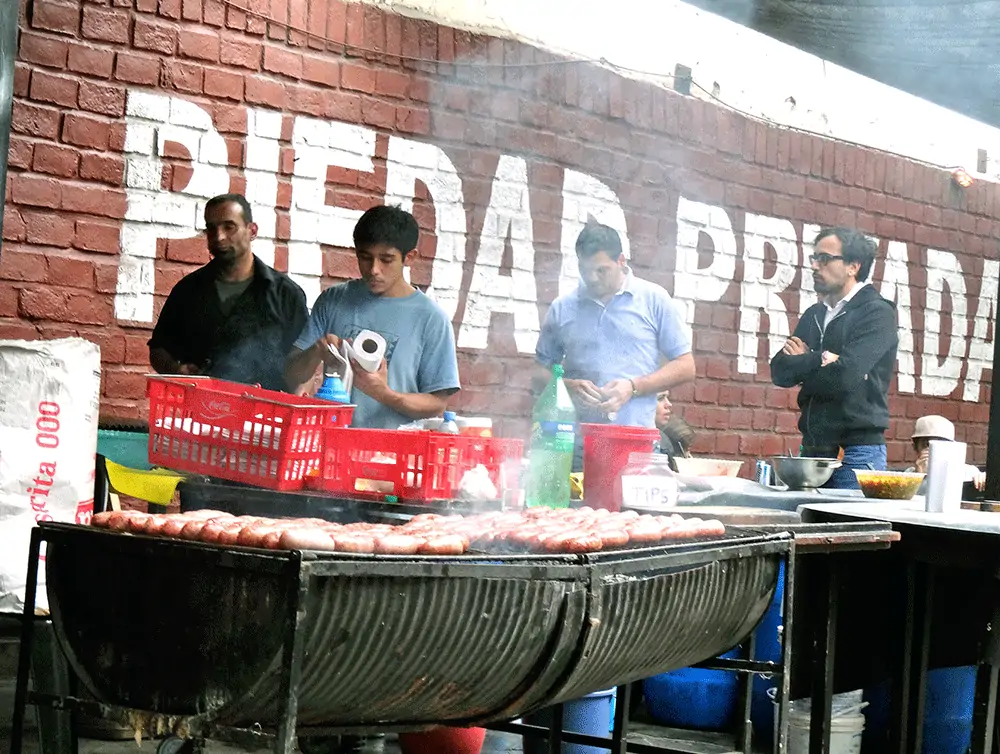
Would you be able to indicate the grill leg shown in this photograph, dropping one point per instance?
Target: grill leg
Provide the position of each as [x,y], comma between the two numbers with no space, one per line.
[921,644]
[985,701]
[744,737]
[984,709]
[787,624]
[556,730]
[292,658]
[902,663]
[619,736]
[24,651]
[824,646]
[908,684]
[51,674]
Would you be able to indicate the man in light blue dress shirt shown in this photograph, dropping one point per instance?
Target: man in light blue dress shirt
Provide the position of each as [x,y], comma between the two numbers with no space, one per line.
[620,339]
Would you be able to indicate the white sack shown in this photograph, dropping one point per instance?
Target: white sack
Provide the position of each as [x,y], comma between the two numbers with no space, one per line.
[49,401]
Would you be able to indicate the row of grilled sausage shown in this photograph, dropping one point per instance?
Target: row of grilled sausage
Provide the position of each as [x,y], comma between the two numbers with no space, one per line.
[549,530]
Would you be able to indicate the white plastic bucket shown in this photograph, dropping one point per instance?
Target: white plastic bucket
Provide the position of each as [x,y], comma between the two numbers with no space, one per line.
[847,724]
[845,734]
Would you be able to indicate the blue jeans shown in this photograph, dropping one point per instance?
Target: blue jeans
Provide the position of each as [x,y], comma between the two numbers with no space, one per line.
[856,457]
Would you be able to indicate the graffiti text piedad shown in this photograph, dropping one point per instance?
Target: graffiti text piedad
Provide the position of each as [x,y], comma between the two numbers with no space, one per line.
[772,252]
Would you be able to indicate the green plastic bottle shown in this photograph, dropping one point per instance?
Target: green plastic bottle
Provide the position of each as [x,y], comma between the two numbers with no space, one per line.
[552,437]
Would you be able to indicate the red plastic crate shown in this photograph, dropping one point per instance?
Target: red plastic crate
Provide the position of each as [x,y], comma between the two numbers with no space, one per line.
[419,466]
[238,432]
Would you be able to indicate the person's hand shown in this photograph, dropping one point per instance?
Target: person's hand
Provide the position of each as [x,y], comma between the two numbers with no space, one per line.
[980,480]
[324,346]
[189,370]
[312,385]
[373,384]
[584,391]
[795,347]
[922,458]
[616,394]
[828,358]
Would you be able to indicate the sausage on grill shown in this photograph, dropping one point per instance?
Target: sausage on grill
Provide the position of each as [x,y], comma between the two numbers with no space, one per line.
[229,535]
[713,528]
[137,523]
[272,540]
[306,539]
[448,544]
[397,544]
[173,526]
[102,519]
[191,530]
[575,541]
[612,537]
[211,532]
[357,542]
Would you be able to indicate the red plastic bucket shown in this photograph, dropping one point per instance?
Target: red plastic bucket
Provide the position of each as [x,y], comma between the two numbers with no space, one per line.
[443,741]
[606,448]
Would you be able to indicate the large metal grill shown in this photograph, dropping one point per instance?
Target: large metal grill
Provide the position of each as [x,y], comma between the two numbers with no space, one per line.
[239,637]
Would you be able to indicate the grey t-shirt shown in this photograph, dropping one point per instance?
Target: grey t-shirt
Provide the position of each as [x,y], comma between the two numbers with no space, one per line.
[229,293]
[420,343]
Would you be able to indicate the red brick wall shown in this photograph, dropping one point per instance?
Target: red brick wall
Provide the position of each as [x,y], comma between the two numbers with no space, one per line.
[66,197]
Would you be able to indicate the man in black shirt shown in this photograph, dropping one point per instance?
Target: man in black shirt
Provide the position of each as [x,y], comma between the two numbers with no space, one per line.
[235,318]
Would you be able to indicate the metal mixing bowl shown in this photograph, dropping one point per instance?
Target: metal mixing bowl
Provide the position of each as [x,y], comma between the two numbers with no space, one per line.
[801,473]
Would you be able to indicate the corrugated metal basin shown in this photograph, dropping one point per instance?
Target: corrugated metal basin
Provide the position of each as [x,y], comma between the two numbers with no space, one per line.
[183,628]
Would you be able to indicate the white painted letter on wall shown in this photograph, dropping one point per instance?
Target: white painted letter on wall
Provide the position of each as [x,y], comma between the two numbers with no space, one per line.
[941,377]
[692,283]
[981,349]
[509,213]
[318,145]
[584,196]
[408,162]
[896,287]
[152,212]
[762,295]
[261,170]
[807,290]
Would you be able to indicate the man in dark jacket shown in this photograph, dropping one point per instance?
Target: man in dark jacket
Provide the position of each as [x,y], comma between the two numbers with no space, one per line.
[842,356]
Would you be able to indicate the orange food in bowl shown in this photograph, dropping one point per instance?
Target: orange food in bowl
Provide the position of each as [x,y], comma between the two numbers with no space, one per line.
[889,485]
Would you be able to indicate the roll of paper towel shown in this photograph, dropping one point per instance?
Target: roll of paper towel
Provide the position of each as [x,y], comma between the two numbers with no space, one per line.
[945,476]
[368,350]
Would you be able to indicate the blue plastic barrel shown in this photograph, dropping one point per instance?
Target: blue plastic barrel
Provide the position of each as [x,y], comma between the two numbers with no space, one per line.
[947,712]
[592,715]
[707,699]
[693,698]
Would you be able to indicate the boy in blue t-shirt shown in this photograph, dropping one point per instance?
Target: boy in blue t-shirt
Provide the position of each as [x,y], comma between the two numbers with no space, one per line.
[420,372]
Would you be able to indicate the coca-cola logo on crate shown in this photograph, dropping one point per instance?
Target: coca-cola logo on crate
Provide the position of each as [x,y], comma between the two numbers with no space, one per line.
[216,409]
[374,472]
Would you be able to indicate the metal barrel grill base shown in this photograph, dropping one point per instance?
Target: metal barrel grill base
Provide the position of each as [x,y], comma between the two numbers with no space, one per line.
[245,638]
[673,619]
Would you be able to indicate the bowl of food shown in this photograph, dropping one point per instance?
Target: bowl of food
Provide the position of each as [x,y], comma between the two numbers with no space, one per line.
[707,466]
[889,485]
[803,472]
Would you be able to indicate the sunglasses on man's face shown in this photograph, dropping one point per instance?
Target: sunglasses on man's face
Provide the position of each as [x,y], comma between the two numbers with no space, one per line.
[822,258]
